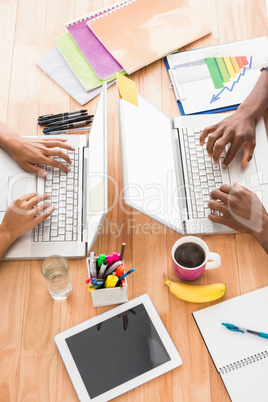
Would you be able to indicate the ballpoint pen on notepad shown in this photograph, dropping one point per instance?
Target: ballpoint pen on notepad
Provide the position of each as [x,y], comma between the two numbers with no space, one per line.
[235,328]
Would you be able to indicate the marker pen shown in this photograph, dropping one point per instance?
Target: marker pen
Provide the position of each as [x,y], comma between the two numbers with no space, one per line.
[102,268]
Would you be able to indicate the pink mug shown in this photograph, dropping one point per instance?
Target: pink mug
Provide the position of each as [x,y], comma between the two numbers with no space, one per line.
[193,272]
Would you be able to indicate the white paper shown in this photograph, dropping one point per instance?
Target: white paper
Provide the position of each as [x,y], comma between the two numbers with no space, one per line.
[54,65]
[193,79]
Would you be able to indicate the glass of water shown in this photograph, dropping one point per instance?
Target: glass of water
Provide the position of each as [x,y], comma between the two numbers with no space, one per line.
[55,270]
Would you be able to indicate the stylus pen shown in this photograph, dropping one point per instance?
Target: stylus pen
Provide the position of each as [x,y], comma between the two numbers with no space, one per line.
[235,328]
[63,115]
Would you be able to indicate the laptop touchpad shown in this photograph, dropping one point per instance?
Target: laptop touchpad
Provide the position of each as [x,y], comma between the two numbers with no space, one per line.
[19,185]
[246,176]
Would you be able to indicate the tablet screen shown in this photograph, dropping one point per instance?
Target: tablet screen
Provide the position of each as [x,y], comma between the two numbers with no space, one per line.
[117,350]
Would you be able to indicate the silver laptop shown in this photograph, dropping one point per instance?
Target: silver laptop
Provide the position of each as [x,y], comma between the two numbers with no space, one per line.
[168,176]
[79,196]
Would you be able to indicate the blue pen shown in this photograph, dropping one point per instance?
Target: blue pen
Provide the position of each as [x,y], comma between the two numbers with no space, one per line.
[235,328]
[126,274]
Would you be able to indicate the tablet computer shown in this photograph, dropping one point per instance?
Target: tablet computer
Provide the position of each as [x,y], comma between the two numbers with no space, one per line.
[117,351]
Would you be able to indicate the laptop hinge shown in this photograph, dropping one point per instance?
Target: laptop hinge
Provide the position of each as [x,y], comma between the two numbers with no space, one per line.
[182,199]
[84,187]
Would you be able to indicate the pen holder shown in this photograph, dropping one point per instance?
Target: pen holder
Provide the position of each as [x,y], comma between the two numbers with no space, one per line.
[108,296]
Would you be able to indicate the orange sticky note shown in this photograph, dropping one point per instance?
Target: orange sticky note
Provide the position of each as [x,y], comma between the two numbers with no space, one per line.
[127,89]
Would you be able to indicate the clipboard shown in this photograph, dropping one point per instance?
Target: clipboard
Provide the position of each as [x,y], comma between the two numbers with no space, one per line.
[172,85]
[216,78]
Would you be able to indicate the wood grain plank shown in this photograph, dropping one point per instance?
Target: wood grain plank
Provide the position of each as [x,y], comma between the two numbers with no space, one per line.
[31,367]
[14,277]
[8,14]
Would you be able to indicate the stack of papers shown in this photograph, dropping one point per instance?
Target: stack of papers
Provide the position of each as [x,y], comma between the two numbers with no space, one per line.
[120,38]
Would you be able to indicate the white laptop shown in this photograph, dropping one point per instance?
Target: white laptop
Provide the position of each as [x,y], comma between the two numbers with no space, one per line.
[157,181]
[73,227]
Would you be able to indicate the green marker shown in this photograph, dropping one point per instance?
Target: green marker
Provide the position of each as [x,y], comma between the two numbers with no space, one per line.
[101,259]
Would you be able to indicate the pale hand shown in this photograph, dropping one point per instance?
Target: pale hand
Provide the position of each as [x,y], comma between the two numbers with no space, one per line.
[24,214]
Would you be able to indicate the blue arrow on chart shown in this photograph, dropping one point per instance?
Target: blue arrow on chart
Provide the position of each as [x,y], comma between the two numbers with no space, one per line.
[217,96]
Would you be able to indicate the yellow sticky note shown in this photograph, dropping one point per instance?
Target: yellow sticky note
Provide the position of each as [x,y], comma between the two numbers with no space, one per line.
[127,89]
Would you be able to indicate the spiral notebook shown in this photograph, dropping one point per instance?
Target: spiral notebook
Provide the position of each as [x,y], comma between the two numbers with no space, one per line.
[101,61]
[241,359]
[143,31]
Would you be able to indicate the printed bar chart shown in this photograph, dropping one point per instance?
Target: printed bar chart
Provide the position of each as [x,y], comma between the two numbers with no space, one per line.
[214,72]
[221,69]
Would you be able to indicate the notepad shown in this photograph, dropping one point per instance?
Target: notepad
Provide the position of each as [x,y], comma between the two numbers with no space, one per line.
[240,359]
[78,63]
[101,61]
[146,30]
[55,66]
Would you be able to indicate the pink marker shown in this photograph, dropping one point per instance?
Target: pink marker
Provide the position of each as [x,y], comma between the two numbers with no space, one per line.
[116,257]
[112,258]
[109,259]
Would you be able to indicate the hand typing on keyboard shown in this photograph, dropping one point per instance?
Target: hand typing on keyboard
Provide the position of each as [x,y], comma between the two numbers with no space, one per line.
[203,176]
[28,152]
[64,187]
[239,129]
[241,210]
[21,216]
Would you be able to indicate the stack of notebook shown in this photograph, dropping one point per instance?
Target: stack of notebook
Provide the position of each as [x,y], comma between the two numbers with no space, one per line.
[123,37]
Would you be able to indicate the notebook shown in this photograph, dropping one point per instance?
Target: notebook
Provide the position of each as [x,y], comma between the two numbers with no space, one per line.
[221,75]
[101,61]
[55,66]
[168,176]
[146,30]
[241,359]
[80,206]
[78,63]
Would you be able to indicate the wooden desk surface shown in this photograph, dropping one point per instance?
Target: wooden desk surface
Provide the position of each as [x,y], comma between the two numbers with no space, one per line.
[30,365]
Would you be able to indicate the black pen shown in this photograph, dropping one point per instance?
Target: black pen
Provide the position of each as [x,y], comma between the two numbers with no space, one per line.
[65,127]
[67,121]
[57,119]
[69,130]
[63,115]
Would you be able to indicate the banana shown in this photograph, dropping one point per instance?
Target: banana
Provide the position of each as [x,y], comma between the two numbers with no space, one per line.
[194,293]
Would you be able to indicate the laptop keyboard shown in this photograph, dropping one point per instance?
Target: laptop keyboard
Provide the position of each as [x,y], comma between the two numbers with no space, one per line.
[63,187]
[203,175]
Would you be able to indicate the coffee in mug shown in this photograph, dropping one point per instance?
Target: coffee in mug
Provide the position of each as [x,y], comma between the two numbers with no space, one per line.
[190,257]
